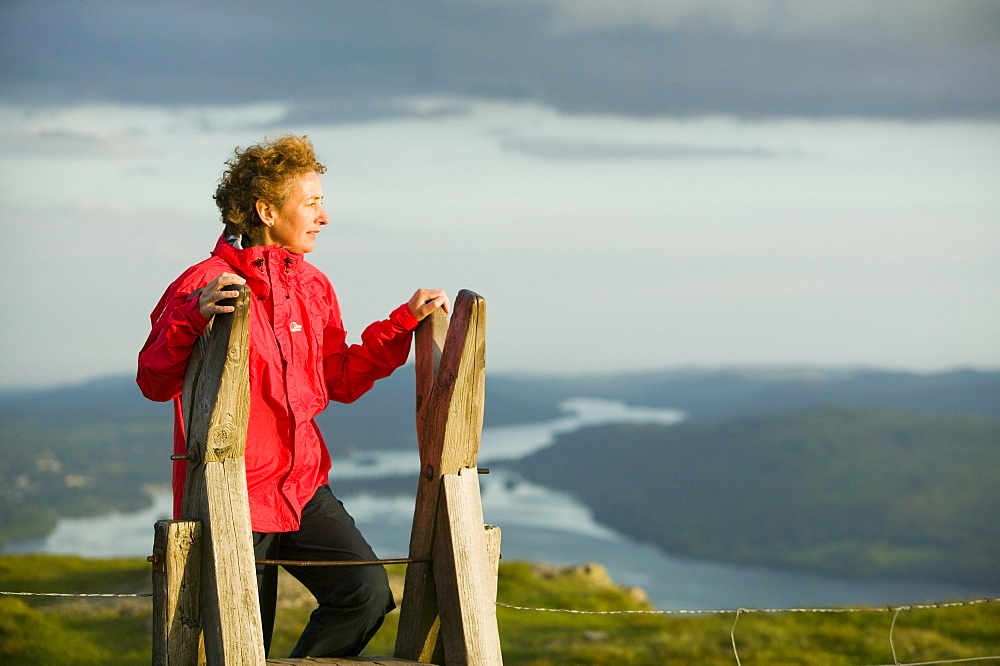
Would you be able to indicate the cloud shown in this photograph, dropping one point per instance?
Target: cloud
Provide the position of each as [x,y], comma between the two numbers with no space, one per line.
[892,19]
[49,142]
[559,149]
[345,60]
[337,112]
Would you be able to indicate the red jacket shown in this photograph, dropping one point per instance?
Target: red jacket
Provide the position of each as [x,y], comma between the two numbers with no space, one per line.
[299,361]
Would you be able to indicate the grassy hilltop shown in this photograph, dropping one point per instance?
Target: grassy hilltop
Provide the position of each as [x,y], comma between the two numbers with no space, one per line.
[84,632]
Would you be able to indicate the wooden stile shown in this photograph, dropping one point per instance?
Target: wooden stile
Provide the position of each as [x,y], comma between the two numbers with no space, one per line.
[447,523]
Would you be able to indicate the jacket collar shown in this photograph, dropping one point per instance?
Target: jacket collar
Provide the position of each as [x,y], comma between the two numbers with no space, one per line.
[253,263]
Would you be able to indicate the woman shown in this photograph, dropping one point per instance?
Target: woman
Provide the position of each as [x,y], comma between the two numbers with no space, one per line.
[271,201]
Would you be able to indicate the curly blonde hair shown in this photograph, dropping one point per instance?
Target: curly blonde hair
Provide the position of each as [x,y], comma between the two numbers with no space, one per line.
[262,172]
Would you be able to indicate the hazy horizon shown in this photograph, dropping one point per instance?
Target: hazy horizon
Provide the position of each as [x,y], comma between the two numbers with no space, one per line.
[750,370]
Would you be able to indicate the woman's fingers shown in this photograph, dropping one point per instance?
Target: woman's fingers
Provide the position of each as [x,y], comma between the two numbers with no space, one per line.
[215,291]
[425,301]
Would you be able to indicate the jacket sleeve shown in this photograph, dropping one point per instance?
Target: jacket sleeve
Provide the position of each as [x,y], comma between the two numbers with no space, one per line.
[177,324]
[351,370]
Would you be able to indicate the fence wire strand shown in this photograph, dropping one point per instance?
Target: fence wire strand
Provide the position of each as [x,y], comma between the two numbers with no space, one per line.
[945,661]
[892,627]
[68,594]
[732,636]
[884,609]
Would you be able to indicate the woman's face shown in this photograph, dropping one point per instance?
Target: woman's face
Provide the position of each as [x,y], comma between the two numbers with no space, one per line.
[295,225]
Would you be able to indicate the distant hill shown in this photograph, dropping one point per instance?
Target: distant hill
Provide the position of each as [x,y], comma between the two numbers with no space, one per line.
[857,492]
[384,416]
[94,447]
[735,391]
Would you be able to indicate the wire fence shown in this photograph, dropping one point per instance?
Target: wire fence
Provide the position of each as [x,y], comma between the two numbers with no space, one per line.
[737,612]
[896,610]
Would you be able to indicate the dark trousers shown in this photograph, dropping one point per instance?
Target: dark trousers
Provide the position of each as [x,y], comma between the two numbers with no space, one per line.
[353,601]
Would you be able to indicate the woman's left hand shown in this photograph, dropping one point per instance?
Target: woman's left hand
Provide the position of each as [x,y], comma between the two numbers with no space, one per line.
[426,301]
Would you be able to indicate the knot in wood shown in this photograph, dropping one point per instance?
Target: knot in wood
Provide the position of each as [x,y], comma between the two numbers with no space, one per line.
[221,452]
[189,622]
[222,431]
[220,439]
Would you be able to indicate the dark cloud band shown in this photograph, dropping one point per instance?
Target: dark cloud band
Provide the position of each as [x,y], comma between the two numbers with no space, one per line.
[322,57]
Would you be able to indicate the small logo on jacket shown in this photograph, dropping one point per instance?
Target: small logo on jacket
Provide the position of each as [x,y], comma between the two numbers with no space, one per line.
[295,327]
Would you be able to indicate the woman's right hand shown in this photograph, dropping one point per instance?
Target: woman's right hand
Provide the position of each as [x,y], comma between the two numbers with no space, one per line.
[214,292]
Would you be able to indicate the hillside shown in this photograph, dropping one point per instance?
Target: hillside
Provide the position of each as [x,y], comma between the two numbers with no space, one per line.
[856,492]
[91,632]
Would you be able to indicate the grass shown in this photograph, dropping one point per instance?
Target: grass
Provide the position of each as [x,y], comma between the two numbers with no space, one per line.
[85,631]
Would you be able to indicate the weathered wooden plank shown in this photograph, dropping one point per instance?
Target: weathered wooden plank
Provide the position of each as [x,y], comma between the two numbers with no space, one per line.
[463,426]
[176,584]
[217,401]
[493,560]
[464,575]
[231,609]
[418,633]
[428,344]
[449,428]
[348,661]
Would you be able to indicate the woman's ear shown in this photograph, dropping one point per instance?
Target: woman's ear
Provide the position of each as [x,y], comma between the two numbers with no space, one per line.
[265,212]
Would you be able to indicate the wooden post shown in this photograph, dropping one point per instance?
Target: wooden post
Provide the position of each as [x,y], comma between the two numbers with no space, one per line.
[450,398]
[466,587]
[176,584]
[216,407]
[417,635]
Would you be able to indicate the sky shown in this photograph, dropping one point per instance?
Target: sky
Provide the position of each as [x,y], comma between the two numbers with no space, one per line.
[633,185]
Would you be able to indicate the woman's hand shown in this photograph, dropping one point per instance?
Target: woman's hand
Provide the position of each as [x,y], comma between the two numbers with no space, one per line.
[426,301]
[214,292]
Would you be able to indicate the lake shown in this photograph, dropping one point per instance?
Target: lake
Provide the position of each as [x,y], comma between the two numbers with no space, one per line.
[542,525]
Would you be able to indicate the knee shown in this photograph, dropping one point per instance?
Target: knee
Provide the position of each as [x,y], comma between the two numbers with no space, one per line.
[376,592]
[368,590]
